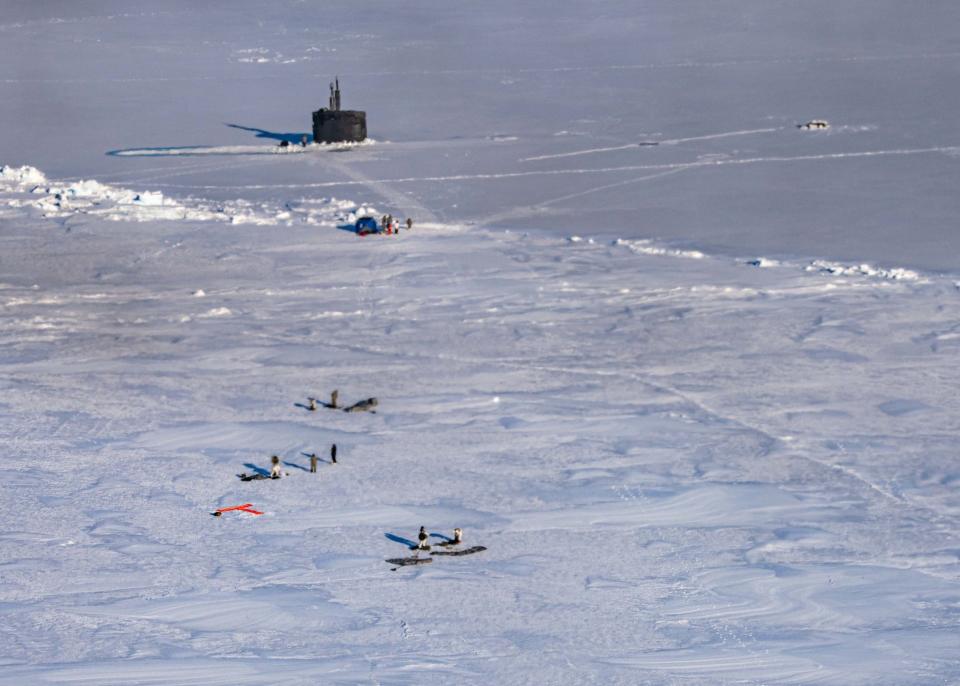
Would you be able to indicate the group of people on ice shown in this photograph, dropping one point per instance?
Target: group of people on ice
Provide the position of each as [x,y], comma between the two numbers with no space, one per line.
[367,405]
[389,225]
[276,471]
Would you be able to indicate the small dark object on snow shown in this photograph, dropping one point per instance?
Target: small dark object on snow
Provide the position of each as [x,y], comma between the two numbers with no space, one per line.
[409,223]
[313,405]
[333,399]
[252,477]
[456,540]
[405,561]
[422,537]
[217,514]
[284,144]
[303,141]
[363,406]
[333,454]
[313,463]
[466,551]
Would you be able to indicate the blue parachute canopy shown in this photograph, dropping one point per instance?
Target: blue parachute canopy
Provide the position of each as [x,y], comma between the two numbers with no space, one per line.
[367,225]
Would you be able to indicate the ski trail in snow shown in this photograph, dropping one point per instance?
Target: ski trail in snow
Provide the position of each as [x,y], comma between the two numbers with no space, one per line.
[397,198]
[698,405]
[589,151]
[152,173]
[670,141]
[643,66]
[206,167]
[727,134]
[140,171]
[529,210]
[596,170]
[741,424]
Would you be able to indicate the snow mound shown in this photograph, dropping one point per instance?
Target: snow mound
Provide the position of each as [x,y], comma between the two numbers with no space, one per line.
[839,269]
[647,247]
[94,189]
[114,203]
[17,177]
[363,211]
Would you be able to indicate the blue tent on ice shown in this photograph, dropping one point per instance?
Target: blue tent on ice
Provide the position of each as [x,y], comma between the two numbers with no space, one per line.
[367,225]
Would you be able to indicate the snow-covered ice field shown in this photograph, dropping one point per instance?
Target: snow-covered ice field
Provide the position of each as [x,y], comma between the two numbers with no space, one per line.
[687,371]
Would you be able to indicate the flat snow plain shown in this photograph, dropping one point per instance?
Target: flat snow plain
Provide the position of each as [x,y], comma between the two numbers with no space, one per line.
[698,399]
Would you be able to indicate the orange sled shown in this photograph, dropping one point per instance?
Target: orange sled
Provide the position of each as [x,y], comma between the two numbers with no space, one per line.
[246,507]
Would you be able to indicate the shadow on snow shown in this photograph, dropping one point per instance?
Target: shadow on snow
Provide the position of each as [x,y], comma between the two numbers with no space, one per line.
[400,539]
[206,150]
[274,135]
[256,470]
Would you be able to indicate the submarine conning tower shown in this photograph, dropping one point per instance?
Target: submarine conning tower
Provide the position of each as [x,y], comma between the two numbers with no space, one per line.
[333,125]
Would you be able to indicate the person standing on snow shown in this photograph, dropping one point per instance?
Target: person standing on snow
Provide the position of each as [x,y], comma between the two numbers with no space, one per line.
[275,471]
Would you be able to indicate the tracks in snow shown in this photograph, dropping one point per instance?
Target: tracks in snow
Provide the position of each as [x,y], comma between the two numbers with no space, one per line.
[669,141]
[892,152]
